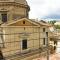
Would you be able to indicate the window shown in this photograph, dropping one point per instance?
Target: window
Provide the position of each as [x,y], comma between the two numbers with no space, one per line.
[24,44]
[47,34]
[23,22]
[55,42]
[43,41]
[43,29]
[4,17]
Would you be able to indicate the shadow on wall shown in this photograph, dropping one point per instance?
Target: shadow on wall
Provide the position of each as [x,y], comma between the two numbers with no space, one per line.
[1,55]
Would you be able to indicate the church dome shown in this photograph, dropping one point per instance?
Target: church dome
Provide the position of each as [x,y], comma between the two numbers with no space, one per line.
[13,10]
[21,2]
[17,1]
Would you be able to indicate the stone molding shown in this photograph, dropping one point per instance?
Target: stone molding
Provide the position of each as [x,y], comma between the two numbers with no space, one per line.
[14,4]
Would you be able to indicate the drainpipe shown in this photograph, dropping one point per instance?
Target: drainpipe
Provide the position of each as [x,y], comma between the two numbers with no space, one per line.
[47,45]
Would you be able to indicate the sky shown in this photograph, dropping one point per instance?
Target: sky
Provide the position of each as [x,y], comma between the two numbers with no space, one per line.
[44,9]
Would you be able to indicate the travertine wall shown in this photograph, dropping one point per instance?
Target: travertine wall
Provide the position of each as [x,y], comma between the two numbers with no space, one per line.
[13,10]
[15,35]
[13,42]
[13,13]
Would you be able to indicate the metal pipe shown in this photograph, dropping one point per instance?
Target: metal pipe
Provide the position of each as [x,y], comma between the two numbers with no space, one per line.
[47,44]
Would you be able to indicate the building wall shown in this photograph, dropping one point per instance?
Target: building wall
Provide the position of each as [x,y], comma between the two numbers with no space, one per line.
[13,42]
[15,35]
[43,35]
[13,12]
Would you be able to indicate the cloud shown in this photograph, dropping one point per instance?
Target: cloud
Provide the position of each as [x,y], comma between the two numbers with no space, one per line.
[52,16]
[44,8]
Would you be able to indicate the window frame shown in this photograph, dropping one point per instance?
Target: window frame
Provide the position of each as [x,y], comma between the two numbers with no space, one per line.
[4,17]
[24,44]
[23,22]
[43,29]
[44,41]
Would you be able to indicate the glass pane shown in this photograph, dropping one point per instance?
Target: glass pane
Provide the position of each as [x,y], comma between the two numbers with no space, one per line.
[4,17]
[24,44]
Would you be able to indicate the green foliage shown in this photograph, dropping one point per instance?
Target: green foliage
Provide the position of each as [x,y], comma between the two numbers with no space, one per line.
[52,22]
[57,26]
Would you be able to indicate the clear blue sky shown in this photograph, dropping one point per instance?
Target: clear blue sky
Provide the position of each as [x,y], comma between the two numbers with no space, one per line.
[45,9]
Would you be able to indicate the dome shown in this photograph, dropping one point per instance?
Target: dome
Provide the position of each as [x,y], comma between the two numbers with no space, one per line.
[14,9]
[21,2]
[17,1]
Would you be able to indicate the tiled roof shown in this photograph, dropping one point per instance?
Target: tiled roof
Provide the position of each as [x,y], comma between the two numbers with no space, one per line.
[34,21]
[41,23]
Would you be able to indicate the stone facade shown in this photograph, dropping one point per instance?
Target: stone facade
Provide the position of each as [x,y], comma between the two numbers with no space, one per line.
[19,34]
[14,10]
[35,34]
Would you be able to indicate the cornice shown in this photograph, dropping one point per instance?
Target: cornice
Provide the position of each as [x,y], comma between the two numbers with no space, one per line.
[14,4]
